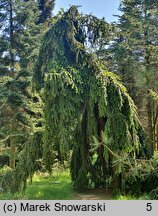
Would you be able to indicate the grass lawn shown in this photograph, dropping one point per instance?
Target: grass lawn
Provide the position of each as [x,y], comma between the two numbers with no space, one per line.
[59,187]
[44,187]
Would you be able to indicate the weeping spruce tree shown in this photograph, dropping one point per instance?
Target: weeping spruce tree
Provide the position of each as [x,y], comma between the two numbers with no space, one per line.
[86,109]
[85,106]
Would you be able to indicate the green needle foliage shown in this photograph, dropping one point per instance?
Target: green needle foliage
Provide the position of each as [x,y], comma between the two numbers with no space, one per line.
[85,109]
[45,7]
[84,101]
[16,179]
[19,39]
[134,52]
[20,113]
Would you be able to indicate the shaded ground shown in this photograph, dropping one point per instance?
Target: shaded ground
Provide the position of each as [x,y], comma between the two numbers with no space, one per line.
[59,187]
[56,187]
[94,194]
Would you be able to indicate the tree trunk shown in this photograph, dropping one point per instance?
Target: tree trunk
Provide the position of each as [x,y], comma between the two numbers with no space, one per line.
[101,121]
[12,66]
[11,32]
[12,155]
[150,124]
[157,136]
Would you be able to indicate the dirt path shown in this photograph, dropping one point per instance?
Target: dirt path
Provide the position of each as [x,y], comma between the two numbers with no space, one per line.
[94,194]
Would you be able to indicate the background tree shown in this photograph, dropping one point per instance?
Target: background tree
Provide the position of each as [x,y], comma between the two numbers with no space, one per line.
[133,55]
[20,40]
[46,7]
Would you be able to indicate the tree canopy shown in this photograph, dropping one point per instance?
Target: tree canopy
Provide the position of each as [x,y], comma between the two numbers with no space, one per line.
[87,111]
[84,104]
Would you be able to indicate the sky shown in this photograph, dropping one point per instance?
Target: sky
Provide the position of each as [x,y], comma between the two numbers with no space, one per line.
[99,8]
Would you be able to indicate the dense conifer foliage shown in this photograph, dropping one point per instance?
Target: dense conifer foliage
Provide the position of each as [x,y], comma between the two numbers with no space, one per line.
[85,105]
[20,110]
[45,7]
[18,29]
[133,53]
[59,101]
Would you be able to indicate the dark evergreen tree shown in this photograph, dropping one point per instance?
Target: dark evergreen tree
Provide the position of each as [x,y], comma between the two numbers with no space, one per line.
[84,103]
[6,39]
[134,56]
[46,8]
[19,47]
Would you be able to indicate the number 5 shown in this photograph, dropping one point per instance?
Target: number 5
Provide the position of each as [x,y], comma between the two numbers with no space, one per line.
[149,206]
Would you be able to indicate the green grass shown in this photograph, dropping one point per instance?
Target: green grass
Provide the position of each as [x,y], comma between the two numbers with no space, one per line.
[124,197]
[131,197]
[156,154]
[55,187]
[44,187]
